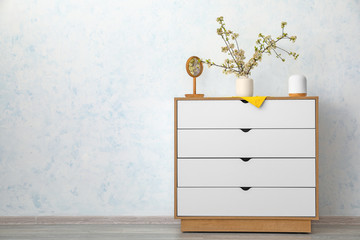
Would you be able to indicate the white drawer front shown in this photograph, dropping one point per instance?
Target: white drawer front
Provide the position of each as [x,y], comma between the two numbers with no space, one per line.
[255,143]
[235,114]
[254,173]
[254,202]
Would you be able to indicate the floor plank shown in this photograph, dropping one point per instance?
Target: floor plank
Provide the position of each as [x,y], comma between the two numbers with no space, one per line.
[161,232]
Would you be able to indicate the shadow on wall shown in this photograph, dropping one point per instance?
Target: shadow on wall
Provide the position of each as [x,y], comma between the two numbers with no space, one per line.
[337,152]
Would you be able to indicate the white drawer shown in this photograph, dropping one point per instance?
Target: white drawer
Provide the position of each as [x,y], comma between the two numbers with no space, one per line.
[253,173]
[254,202]
[255,143]
[236,114]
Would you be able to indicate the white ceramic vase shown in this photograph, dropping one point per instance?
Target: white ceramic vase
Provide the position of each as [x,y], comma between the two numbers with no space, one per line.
[244,87]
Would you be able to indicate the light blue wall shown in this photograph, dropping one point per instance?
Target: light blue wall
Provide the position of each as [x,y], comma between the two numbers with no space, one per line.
[87,87]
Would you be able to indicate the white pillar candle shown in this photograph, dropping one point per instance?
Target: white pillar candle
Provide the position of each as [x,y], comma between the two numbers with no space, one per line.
[297,85]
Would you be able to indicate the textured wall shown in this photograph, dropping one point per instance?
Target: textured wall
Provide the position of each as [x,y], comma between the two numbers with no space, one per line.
[87,87]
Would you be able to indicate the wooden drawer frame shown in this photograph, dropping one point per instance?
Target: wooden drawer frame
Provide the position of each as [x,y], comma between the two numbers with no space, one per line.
[246,224]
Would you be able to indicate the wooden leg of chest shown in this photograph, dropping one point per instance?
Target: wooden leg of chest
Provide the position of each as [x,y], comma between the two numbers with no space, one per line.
[245,225]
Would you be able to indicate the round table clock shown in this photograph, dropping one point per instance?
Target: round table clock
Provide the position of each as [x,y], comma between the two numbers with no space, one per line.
[194,68]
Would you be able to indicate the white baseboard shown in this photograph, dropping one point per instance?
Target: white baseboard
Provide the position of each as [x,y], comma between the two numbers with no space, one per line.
[15,220]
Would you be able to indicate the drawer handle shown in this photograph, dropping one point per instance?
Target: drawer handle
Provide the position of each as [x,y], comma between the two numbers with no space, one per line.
[245,129]
[245,188]
[244,101]
[245,159]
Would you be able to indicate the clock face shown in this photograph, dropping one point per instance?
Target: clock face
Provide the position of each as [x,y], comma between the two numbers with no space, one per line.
[194,66]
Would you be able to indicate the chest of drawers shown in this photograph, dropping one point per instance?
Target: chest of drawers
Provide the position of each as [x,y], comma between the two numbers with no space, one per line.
[240,168]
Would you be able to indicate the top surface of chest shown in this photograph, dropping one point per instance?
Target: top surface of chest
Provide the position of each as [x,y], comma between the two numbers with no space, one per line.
[234,113]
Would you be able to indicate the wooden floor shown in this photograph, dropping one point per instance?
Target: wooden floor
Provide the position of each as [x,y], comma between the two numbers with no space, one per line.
[161,232]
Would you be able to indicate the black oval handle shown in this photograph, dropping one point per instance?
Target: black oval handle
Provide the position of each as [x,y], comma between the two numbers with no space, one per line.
[245,188]
[245,129]
[245,159]
[244,101]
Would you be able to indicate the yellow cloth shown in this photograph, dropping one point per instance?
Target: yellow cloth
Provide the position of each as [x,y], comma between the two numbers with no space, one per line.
[256,101]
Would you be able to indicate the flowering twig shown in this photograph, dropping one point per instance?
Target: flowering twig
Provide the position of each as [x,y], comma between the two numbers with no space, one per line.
[264,44]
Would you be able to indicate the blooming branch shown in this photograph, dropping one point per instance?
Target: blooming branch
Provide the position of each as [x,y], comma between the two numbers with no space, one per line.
[264,44]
